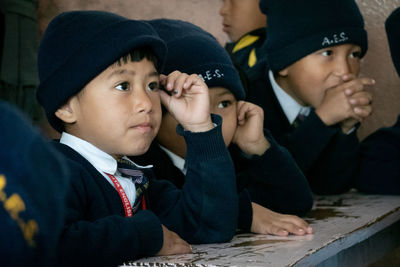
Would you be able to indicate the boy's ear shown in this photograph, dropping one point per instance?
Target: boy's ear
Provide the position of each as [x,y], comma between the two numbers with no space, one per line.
[284,72]
[66,112]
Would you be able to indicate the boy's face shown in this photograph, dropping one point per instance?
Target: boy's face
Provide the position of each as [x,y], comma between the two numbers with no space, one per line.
[241,17]
[307,79]
[119,111]
[222,102]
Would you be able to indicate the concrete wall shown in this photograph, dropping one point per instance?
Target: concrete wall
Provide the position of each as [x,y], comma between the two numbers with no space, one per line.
[376,64]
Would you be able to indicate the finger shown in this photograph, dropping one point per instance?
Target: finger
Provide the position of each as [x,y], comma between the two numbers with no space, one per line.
[193,79]
[178,85]
[296,225]
[357,85]
[278,231]
[162,78]
[348,77]
[165,98]
[361,98]
[363,111]
[170,81]
[182,247]
[243,108]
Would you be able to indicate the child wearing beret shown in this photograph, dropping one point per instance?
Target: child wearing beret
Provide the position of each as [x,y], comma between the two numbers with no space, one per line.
[269,181]
[380,152]
[99,87]
[313,96]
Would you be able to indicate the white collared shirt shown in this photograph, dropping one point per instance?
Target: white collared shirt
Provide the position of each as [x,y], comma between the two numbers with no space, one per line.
[176,160]
[289,106]
[103,162]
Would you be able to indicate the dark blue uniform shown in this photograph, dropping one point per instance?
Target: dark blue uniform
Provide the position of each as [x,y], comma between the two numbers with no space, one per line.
[33,186]
[272,180]
[326,155]
[98,233]
[380,162]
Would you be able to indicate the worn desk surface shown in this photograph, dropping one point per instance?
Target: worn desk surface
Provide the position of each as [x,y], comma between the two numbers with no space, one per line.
[349,230]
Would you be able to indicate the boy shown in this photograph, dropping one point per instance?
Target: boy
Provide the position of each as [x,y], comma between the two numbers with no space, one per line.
[380,152]
[265,169]
[245,25]
[99,87]
[33,185]
[312,96]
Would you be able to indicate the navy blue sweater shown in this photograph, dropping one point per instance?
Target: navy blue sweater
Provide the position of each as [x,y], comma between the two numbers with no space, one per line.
[242,50]
[97,232]
[379,171]
[272,180]
[33,187]
[328,157]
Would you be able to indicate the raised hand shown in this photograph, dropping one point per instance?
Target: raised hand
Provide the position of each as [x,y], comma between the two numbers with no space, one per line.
[188,102]
[249,135]
[347,103]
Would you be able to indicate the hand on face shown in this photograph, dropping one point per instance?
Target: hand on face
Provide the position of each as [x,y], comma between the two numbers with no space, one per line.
[266,221]
[346,103]
[189,102]
[249,135]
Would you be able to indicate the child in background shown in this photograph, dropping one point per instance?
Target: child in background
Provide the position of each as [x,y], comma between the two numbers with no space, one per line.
[380,152]
[267,175]
[33,187]
[99,80]
[245,25]
[313,98]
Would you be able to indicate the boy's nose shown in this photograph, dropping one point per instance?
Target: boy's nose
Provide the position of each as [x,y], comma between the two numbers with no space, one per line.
[342,67]
[142,102]
[224,7]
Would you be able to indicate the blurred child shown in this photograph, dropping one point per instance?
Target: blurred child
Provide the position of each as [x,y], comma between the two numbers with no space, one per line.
[313,98]
[266,173]
[33,186]
[380,152]
[99,80]
[245,25]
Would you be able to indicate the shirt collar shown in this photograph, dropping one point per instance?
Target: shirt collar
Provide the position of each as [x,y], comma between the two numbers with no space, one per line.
[289,106]
[176,160]
[102,161]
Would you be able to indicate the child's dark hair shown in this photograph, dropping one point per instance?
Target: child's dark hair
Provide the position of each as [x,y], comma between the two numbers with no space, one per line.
[137,54]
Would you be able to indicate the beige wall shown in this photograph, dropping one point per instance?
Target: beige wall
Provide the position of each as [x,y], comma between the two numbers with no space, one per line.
[376,64]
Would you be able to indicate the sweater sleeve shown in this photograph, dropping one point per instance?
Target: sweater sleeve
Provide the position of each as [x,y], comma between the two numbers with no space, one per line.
[206,209]
[94,236]
[274,180]
[379,171]
[327,156]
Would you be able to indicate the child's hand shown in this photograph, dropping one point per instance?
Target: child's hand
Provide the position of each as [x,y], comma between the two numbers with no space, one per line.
[189,102]
[173,244]
[266,221]
[249,135]
[348,100]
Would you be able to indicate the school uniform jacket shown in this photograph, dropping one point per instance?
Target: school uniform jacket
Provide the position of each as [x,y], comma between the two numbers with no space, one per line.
[327,156]
[379,171]
[97,233]
[248,55]
[272,180]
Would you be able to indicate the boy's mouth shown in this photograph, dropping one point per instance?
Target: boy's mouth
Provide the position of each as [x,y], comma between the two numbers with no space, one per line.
[143,127]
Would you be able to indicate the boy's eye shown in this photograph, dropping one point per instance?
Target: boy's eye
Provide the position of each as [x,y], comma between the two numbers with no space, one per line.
[326,53]
[356,54]
[224,104]
[122,86]
[153,86]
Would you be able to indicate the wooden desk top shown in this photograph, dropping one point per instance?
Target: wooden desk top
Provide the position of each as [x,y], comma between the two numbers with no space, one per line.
[339,222]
